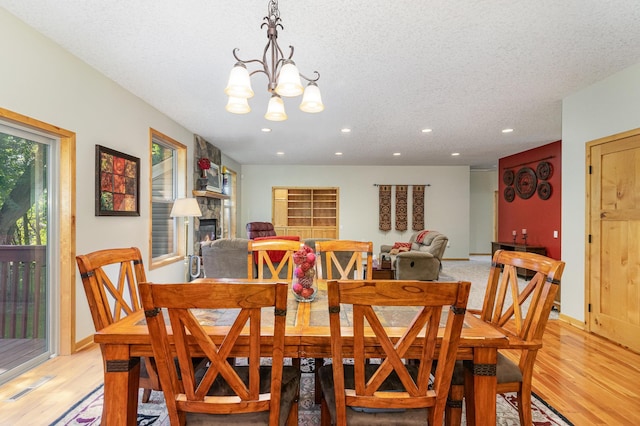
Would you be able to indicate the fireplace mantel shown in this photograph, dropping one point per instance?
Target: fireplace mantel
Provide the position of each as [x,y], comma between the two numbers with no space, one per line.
[209,194]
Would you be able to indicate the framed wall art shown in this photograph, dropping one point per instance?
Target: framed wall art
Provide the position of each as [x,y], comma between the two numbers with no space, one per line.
[214,181]
[117,183]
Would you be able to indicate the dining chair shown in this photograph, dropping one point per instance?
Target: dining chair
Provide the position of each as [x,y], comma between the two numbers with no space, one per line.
[222,393]
[391,392]
[261,255]
[110,278]
[344,258]
[341,260]
[520,309]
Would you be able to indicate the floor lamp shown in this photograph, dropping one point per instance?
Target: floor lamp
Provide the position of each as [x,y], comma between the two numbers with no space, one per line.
[186,208]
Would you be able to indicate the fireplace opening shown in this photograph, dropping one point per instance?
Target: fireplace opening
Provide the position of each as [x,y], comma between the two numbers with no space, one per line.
[208,230]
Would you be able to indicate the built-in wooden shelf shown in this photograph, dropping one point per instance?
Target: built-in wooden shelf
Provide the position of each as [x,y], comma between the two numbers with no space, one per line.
[305,211]
[210,194]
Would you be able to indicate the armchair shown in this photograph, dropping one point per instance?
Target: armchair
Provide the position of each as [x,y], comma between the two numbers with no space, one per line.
[260,229]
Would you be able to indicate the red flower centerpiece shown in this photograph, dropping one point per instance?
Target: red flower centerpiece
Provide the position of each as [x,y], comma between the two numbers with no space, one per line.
[204,164]
[303,284]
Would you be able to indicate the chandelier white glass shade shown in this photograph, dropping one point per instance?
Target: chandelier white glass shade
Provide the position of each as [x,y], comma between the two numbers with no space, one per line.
[238,105]
[311,100]
[275,109]
[282,73]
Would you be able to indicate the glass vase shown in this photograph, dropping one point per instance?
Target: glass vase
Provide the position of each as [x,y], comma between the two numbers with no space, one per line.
[305,288]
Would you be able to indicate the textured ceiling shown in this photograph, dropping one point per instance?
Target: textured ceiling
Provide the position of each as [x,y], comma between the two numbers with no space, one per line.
[464,68]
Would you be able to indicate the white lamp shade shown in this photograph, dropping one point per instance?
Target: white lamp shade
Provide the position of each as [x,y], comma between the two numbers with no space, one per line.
[238,105]
[239,84]
[289,84]
[275,110]
[312,101]
[185,207]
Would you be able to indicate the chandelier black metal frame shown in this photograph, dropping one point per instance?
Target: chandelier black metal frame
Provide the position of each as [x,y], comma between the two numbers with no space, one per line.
[281,71]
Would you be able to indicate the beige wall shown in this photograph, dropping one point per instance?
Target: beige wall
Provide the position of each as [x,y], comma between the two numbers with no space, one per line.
[45,82]
[483,186]
[608,107]
[446,200]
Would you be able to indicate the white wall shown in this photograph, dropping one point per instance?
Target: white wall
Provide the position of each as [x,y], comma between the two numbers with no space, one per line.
[446,200]
[45,82]
[608,107]
[483,186]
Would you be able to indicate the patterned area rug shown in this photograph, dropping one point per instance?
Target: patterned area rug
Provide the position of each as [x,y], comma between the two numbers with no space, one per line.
[89,410]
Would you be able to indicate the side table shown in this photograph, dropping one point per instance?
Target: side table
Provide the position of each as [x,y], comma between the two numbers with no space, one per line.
[384,274]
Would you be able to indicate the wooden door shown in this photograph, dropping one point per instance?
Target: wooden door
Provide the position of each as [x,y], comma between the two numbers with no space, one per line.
[613,221]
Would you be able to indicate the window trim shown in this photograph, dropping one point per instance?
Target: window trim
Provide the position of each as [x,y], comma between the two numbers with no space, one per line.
[180,187]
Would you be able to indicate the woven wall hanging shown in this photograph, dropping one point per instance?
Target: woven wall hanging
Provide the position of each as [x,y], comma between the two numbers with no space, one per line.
[401,207]
[417,223]
[384,203]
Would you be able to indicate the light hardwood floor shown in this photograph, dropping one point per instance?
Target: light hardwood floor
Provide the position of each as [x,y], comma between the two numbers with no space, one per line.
[588,379]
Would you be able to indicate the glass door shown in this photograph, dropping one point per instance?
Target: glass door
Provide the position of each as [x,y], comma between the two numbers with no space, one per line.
[25,309]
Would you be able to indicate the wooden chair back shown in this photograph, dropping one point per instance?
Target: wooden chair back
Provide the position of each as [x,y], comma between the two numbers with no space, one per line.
[351,260]
[110,278]
[521,310]
[188,393]
[524,306]
[429,298]
[264,262]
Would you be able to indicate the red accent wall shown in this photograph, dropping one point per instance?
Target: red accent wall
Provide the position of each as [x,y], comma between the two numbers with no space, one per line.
[539,217]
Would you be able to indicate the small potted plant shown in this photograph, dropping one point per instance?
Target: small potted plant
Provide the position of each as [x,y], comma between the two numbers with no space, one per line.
[204,164]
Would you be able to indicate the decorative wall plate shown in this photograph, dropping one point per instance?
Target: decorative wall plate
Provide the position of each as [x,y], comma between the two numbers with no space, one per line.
[544,190]
[507,177]
[544,170]
[526,182]
[509,194]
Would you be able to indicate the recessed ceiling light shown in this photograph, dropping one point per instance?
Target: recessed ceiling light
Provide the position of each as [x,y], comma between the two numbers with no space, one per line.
[455,154]
[280,153]
[507,130]
[396,154]
[338,153]
[345,130]
[265,129]
[427,130]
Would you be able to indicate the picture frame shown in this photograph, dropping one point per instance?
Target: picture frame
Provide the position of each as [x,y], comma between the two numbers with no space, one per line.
[214,181]
[117,183]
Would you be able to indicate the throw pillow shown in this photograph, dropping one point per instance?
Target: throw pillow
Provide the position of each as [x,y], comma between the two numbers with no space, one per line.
[402,246]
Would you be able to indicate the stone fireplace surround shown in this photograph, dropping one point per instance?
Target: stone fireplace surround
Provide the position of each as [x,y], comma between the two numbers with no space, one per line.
[210,207]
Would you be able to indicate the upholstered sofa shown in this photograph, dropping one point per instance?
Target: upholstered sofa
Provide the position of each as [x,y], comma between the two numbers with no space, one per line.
[420,258]
[225,258]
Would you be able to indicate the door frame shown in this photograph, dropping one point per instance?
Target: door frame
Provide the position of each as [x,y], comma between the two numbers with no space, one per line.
[588,180]
[66,303]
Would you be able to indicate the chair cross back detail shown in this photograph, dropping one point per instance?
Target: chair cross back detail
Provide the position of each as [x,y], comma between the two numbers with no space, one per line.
[264,262]
[528,307]
[346,257]
[111,300]
[429,299]
[191,393]
[99,287]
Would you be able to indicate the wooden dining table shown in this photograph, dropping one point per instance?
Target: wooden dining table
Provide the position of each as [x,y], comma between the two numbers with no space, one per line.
[307,336]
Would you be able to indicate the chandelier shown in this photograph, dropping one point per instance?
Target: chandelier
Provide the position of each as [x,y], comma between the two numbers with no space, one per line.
[283,75]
